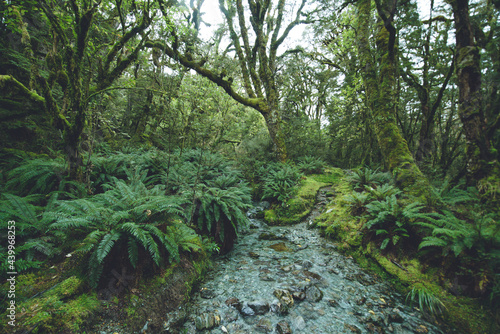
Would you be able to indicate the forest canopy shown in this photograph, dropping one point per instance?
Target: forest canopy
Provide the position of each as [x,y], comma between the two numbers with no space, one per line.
[147,127]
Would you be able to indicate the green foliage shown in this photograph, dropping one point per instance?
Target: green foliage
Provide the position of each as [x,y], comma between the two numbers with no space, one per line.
[393,221]
[126,214]
[311,165]
[357,202]
[218,208]
[456,195]
[456,235]
[367,177]
[118,164]
[381,192]
[426,299]
[279,181]
[33,241]
[40,176]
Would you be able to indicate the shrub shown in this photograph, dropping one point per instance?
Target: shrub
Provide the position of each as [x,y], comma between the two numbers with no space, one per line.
[357,202]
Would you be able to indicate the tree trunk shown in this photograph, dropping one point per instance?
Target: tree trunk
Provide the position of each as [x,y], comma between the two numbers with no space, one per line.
[273,122]
[380,97]
[469,101]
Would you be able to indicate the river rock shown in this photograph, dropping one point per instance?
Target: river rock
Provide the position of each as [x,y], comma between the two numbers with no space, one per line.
[247,310]
[283,328]
[264,325]
[207,293]
[299,323]
[259,306]
[306,264]
[314,294]
[207,321]
[285,300]
[233,302]
[299,295]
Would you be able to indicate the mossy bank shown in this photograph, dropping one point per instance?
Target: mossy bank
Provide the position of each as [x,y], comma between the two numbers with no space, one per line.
[405,270]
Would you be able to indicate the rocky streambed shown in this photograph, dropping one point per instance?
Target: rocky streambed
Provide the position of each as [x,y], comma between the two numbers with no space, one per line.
[291,280]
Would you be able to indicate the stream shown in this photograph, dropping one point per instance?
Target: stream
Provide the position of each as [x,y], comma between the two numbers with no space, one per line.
[291,280]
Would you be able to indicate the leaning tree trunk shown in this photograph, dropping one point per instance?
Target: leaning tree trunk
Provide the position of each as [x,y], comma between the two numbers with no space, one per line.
[380,96]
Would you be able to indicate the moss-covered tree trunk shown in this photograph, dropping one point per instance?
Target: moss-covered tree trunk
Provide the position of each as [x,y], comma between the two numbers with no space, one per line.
[479,164]
[380,87]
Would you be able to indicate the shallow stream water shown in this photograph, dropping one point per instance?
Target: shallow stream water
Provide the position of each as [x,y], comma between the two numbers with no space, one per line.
[291,280]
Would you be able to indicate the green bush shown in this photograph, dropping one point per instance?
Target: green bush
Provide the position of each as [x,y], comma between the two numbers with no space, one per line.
[357,202]
[221,212]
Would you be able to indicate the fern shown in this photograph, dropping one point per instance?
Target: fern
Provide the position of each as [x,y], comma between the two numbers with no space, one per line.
[36,176]
[221,212]
[383,191]
[357,202]
[311,165]
[33,241]
[279,181]
[126,215]
[393,221]
[455,235]
[366,177]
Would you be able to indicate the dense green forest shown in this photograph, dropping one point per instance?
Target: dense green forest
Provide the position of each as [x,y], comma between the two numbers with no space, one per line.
[136,134]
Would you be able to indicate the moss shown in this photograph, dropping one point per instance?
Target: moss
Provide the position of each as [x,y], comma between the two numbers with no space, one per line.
[337,223]
[62,308]
[298,207]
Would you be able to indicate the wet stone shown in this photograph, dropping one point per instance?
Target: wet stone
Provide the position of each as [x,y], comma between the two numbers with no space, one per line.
[264,325]
[395,316]
[233,302]
[306,264]
[283,328]
[299,323]
[280,247]
[247,310]
[230,316]
[299,295]
[207,293]
[352,328]
[312,275]
[333,303]
[270,236]
[207,321]
[314,294]
[259,306]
